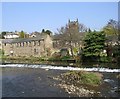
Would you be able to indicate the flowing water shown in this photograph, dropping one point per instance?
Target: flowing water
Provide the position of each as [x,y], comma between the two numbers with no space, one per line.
[34,80]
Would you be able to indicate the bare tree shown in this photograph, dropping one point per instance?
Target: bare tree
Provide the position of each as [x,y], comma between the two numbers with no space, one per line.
[111,28]
[71,35]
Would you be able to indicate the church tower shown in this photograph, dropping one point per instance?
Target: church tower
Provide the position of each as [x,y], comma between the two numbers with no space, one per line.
[73,25]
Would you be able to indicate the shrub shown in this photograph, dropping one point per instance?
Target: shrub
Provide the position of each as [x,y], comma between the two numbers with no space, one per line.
[1,52]
[106,59]
[65,57]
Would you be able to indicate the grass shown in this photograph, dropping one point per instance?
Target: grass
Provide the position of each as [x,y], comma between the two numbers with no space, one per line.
[90,78]
[83,77]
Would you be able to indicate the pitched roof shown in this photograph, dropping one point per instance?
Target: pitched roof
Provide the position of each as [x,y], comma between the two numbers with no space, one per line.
[18,40]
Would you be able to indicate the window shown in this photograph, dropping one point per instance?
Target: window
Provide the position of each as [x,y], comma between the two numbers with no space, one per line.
[16,44]
[5,44]
[29,43]
[11,53]
[38,43]
[35,51]
[34,43]
[26,43]
[20,44]
[23,43]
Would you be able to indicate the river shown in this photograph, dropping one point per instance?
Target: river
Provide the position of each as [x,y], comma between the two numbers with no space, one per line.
[31,80]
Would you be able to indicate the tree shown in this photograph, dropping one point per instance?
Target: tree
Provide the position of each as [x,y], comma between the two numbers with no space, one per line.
[93,44]
[48,32]
[71,35]
[2,35]
[111,28]
[22,34]
[82,28]
[112,31]
[89,30]
[43,30]
[1,53]
[118,43]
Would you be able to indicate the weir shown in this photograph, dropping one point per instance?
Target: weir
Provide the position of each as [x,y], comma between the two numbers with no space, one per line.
[98,69]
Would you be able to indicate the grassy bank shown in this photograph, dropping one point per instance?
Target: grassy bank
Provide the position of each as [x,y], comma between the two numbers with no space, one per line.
[82,77]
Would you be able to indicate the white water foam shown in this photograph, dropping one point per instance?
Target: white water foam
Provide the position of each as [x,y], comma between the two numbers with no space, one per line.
[62,68]
[108,80]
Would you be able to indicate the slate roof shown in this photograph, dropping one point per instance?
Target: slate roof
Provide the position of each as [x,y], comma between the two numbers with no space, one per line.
[19,40]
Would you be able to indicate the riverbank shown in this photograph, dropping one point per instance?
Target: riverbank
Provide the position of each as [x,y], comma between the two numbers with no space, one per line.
[45,61]
[64,59]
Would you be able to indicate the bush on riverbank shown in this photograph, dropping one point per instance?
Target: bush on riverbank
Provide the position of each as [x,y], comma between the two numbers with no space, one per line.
[63,58]
[105,59]
[82,77]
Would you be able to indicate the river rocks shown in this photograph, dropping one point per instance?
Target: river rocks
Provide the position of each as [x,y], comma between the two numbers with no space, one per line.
[118,90]
[46,69]
[82,77]
[23,92]
[118,76]
[79,91]
[71,83]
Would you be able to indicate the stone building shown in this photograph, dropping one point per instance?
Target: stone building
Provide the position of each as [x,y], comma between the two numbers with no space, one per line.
[42,44]
[34,46]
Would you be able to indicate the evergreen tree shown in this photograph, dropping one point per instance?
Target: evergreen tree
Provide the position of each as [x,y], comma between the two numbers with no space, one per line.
[43,30]
[94,44]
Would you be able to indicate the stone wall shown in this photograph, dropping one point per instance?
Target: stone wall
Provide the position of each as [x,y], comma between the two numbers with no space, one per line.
[36,48]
